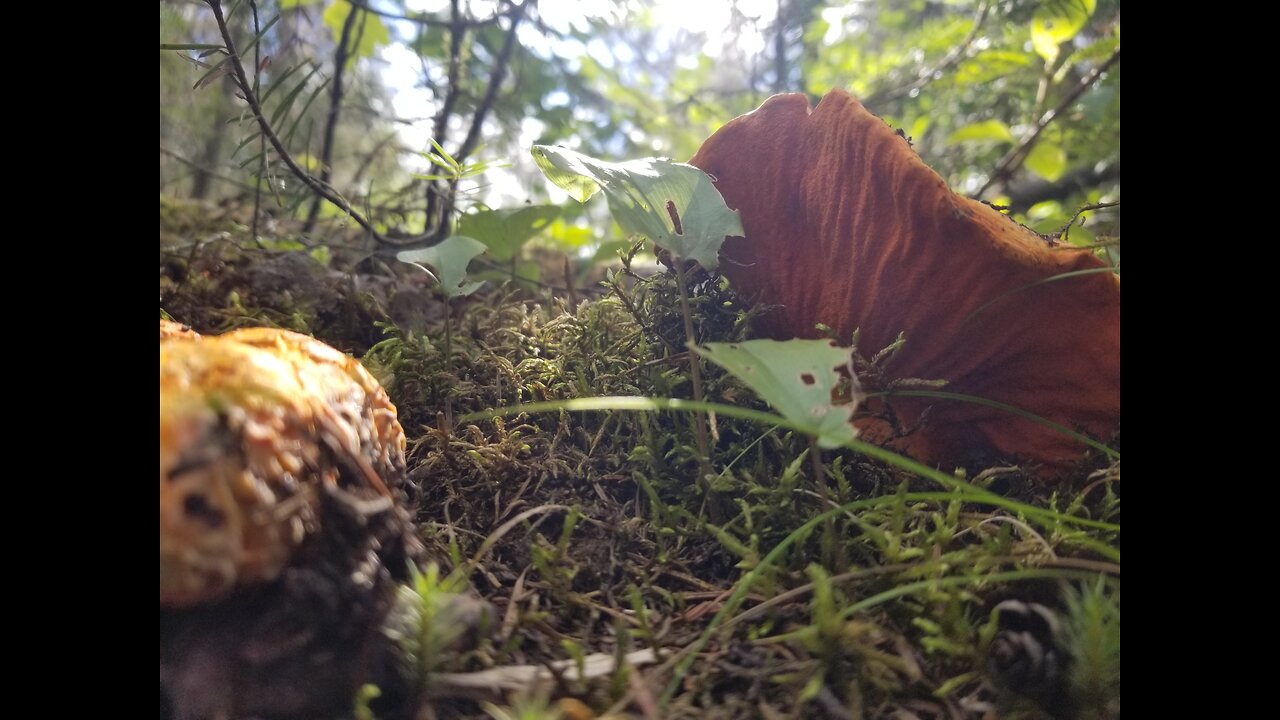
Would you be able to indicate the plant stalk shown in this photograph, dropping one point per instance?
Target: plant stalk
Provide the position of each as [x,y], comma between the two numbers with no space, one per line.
[695,372]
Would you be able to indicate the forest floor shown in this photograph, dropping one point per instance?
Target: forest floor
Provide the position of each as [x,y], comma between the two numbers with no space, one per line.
[602,553]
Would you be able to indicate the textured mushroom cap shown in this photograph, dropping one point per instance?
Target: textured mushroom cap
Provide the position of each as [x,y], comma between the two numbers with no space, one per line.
[254,424]
[171,329]
[846,226]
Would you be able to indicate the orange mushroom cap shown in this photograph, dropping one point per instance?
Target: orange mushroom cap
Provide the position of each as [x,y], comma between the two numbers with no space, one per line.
[846,226]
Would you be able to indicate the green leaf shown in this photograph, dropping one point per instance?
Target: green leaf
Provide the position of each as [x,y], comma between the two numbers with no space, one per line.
[570,236]
[290,4]
[1047,160]
[1056,22]
[505,231]
[374,34]
[796,377]
[450,259]
[648,197]
[987,130]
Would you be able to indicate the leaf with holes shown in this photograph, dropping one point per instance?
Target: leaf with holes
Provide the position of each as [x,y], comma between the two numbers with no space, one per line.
[673,204]
[450,259]
[797,378]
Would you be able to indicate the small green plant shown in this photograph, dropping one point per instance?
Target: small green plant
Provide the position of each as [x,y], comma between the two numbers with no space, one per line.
[433,613]
[1092,639]
[451,259]
[531,706]
[451,170]
[674,205]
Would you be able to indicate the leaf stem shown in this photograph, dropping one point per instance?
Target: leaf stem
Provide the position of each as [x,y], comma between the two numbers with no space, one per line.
[695,373]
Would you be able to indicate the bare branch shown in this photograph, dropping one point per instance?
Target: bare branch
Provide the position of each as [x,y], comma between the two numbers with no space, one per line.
[1062,233]
[952,58]
[340,56]
[437,196]
[262,149]
[251,98]
[1018,155]
[203,169]
[1026,192]
[496,76]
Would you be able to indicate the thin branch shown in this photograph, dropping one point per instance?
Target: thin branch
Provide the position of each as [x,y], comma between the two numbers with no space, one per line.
[437,197]
[1015,157]
[952,58]
[1062,233]
[1026,192]
[780,50]
[367,160]
[262,144]
[307,179]
[340,56]
[201,168]
[496,76]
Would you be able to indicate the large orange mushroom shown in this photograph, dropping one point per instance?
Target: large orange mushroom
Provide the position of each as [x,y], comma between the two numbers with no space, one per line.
[846,226]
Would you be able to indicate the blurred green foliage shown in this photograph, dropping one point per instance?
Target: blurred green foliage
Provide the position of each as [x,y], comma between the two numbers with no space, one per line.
[1002,97]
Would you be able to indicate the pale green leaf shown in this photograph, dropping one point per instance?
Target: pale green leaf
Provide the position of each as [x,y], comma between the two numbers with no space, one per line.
[796,377]
[450,259]
[1047,160]
[505,231]
[987,130]
[647,197]
[1056,22]
[572,236]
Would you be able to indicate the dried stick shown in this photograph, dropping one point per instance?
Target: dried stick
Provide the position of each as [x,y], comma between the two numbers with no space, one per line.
[1015,157]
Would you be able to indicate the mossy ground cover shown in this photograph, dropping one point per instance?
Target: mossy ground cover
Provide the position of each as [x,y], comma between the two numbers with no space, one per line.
[761,590]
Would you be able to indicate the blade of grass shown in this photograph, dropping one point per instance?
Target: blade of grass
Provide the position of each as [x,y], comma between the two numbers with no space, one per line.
[244,51]
[288,136]
[888,456]
[1042,281]
[278,82]
[287,103]
[974,399]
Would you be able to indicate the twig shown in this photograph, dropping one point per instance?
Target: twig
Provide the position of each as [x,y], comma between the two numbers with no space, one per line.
[331,120]
[1062,233]
[780,50]
[496,76]
[200,168]
[307,178]
[262,144]
[1015,157]
[1027,192]
[437,198]
[367,161]
[952,58]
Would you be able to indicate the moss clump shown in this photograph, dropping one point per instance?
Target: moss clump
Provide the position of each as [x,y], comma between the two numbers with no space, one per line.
[590,532]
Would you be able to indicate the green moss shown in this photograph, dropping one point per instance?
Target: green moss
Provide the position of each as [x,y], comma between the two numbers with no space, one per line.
[591,530]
